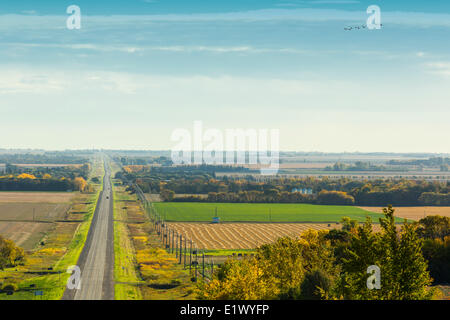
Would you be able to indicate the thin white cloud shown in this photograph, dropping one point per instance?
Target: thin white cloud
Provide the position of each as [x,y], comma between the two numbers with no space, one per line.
[333,2]
[418,19]
[76,46]
[441,68]
[21,80]
[29,12]
[13,81]
[311,2]
[135,49]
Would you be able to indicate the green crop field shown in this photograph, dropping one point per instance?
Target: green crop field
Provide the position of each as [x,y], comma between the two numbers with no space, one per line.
[260,212]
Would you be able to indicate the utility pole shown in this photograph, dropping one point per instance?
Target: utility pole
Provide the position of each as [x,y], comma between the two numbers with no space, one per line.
[176,249]
[185,252]
[196,266]
[165,237]
[190,255]
[165,230]
[181,246]
[169,243]
[165,234]
[203,264]
[172,241]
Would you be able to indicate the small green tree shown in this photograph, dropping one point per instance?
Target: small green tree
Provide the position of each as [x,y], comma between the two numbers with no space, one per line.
[349,224]
[433,227]
[167,195]
[362,252]
[317,285]
[398,254]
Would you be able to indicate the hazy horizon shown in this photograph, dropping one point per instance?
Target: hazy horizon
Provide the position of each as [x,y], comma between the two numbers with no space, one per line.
[12,150]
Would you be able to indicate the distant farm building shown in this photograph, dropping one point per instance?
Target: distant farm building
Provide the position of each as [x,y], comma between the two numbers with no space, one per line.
[303,190]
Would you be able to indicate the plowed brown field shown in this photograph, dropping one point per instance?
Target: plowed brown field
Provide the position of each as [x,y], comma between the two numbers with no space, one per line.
[414,213]
[25,217]
[24,234]
[37,197]
[32,211]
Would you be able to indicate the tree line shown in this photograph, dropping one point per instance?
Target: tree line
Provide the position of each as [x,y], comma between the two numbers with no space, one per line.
[269,196]
[324,197]
[248,188]
[360,166]
[45,179]
[43,158]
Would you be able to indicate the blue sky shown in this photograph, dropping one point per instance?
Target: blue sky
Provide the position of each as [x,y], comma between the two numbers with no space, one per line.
[137,70]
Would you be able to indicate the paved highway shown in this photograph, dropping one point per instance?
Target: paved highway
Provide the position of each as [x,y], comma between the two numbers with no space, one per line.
[97,258]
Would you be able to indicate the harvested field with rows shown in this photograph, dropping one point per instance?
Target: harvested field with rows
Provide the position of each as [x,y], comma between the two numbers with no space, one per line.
[227,236]
[241,235]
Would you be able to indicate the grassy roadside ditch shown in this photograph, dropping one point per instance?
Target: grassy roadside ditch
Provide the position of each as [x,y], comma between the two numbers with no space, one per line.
[143,269]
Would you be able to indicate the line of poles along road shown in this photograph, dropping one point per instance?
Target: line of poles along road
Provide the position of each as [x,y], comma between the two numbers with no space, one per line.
[186,251]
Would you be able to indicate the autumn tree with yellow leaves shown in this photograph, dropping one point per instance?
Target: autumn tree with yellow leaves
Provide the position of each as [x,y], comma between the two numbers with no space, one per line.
[10,254]
[276,272]
[80,184]
[26,176]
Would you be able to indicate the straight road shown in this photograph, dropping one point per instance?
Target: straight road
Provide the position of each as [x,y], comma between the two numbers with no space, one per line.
[97,258]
